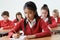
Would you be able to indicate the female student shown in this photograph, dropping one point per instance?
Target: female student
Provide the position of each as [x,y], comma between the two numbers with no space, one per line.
[45,15]
[6,23]
[32,25]
[18,18]
[56,16]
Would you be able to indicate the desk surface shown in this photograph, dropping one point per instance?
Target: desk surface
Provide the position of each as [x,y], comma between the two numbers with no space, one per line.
[53,37]
[56,28]
[4,31]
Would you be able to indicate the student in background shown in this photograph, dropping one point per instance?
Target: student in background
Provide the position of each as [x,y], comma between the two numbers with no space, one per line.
[18,18]
[45,15]
[56,16]
[6,23]
[32,25]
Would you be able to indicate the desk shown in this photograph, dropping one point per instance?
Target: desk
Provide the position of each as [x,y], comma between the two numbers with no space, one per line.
[53,37]
[2,32]
[56,28]
[44,38]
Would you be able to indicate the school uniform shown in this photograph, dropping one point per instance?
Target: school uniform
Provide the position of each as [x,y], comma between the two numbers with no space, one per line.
[6,24]
[16,22]
[57,20]
[53,24]
[32,28]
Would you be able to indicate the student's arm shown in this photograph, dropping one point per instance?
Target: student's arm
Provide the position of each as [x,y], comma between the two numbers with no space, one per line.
[14,21]
[59,20]
[46,30]
[54,23]
[15,29]
[10,26]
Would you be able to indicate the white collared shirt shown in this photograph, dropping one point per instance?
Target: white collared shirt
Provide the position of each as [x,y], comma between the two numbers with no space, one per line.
[31,24]
[56,19]
[45,19]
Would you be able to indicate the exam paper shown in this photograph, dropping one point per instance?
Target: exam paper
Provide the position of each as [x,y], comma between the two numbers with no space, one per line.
[20,38]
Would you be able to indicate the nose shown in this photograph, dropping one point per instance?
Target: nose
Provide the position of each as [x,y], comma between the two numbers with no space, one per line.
[27,15]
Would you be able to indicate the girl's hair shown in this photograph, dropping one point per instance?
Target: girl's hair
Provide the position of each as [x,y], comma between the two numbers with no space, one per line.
[45,7]
[31,6]
[18,13]
[5,13]
[56,11]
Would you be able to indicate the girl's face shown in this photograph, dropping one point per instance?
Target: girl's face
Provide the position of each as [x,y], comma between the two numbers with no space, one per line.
[18,16]
[29,14]
[55,14]
[44,13]
[5,17]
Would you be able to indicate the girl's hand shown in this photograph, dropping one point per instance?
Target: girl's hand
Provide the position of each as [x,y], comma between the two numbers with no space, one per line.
[1,28]
[16,35]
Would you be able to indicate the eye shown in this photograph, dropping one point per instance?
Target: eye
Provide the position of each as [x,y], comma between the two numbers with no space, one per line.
[25,12]
[30,13]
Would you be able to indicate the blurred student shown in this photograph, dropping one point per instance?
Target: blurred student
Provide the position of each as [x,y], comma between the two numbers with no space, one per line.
[18,18]
[32,25]
[6,23]
[56,16]
[45,15]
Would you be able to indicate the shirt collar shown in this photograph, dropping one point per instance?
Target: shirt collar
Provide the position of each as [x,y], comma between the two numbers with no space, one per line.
[45,19]
[31,24]
[34,20]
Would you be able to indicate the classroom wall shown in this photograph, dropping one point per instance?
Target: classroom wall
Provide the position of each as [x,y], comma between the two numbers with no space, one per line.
[14,6]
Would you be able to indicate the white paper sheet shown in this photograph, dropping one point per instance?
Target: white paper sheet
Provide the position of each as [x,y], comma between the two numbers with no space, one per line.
[20,38]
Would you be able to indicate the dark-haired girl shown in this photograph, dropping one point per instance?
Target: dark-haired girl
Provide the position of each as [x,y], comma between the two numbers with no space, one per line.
[45,15]
[18,18]
[32,25]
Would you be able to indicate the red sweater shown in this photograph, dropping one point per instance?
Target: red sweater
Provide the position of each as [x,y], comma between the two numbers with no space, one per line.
[58,20]
[53,24]
[6,25]
[36,30]
[15,21]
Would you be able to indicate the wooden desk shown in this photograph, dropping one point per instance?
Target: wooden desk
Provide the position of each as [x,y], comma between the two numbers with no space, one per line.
[56,28]
[53,37]
[2,32]
[44,38]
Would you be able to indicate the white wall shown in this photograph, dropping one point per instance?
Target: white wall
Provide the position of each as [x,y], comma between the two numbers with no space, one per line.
[14,6]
